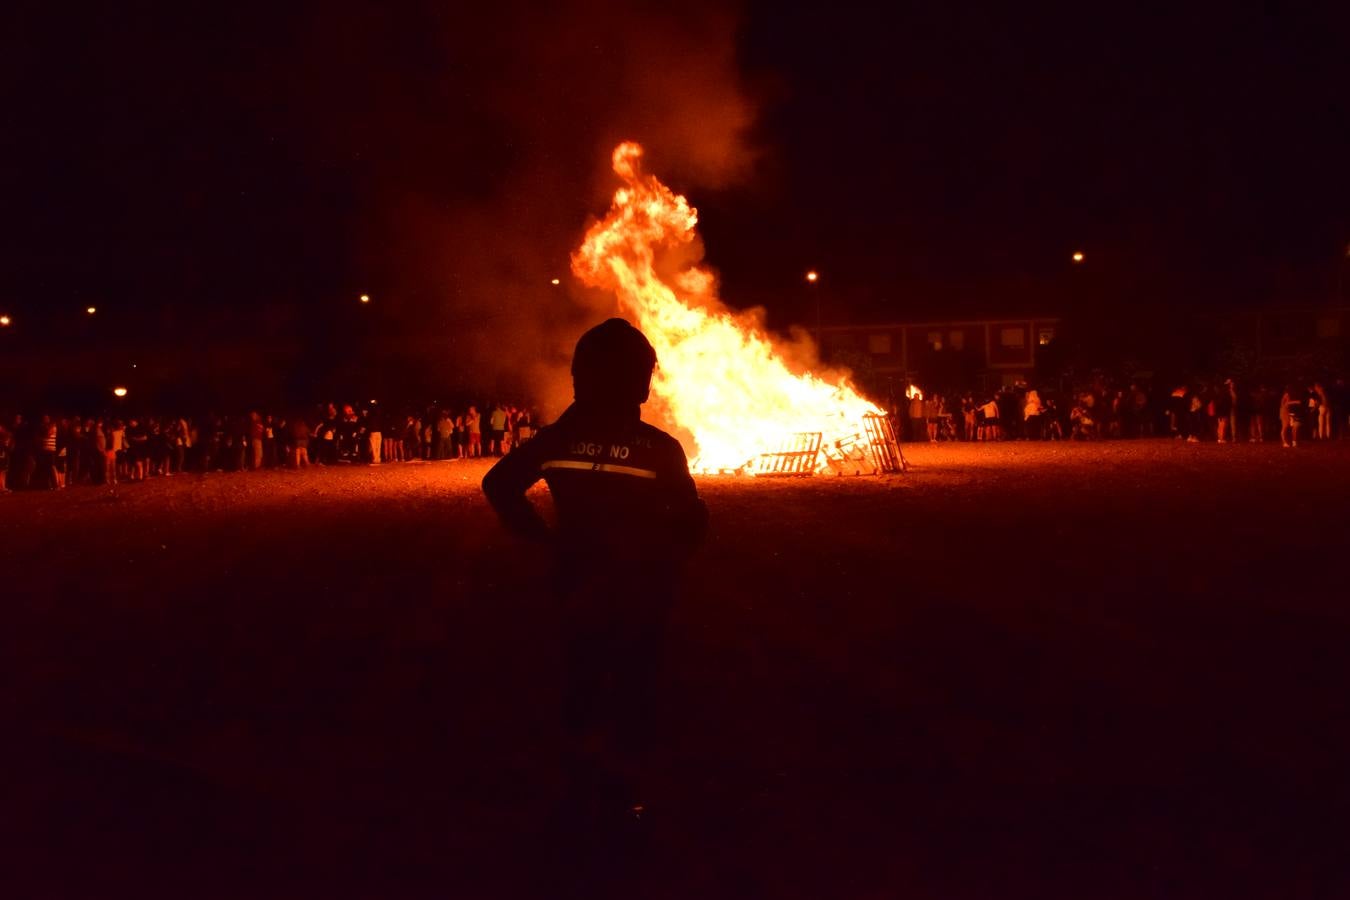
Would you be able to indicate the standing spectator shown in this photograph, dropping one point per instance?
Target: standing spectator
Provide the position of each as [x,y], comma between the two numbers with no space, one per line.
[969,417]
[461,438]
[95,451]
[269,438]
[299,443]
[412,439]
[496,428]
[427,428]
[327,435]
[103,447]
[72,442]
[349,434]
[918,425]
[213,445]
[1195,417]
[1292,404]
[445,430]
[178,441]
[473,422]
[524,426]
[374,434]
[1032,411]
[929,408]
[186,437]
[158,448]
[242,432]
[1050,419]
[990,429]
[1140,413]
[393,441]
[138,451]
[1223,412]
[1176,412]
[1323,424]
[281,442]
[117,446]
[44,454]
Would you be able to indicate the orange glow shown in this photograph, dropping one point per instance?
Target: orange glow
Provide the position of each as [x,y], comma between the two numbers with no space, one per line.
[720,378]
[812,277]
[557,281]
[365,298]
[913,393]
[4,321]
[91,310]
[1078,256]
[119,392]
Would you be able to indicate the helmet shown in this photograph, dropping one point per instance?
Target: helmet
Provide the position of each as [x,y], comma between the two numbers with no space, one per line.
[613,363]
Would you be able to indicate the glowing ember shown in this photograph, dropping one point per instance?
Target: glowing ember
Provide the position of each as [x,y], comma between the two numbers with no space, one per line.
[721,377]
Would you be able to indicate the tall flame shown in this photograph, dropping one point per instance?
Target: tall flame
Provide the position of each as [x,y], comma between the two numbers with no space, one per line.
[720,376]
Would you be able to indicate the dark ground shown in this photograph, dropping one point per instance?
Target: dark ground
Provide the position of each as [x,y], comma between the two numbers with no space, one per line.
[1101,671]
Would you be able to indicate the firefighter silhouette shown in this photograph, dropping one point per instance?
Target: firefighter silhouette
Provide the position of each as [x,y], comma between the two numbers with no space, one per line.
[628,516]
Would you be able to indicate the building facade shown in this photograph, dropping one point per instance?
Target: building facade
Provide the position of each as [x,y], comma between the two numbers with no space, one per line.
[990,352]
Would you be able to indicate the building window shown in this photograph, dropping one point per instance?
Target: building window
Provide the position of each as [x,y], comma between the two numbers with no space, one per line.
[957,340]
[1328,328]
[879,344]
[1012,337]
[935,340]
[1045,336]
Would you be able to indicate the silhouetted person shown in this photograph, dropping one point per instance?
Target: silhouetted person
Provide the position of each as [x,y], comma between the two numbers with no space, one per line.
[628,516]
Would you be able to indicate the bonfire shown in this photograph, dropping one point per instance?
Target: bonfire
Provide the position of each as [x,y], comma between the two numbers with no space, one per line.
[746,400]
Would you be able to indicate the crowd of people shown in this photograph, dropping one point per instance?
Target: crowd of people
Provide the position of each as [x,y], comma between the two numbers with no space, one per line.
[1224,411]
[53,452]
[50,452]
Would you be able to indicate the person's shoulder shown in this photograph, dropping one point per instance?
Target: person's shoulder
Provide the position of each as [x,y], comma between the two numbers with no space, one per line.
[659,439]
[652,433]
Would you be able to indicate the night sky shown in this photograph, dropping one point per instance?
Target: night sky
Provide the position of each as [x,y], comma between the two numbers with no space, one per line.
[203,172]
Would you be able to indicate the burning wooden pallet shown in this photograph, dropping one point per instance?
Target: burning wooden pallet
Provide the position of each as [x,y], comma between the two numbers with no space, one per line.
[796,456]
[882,443]
[873,451]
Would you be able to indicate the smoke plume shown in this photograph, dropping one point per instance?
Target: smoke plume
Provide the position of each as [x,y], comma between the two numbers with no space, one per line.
[489,151]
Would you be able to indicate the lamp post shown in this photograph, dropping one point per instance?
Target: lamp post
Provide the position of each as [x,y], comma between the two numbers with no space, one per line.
[812,278]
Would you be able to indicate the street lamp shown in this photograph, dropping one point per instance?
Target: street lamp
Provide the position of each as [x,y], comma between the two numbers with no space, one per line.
[1078,256]
[4,321]
[365,298]
[812,277]
[90,310]
[119,392]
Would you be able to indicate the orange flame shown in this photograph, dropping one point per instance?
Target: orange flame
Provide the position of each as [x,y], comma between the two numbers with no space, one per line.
[720,376]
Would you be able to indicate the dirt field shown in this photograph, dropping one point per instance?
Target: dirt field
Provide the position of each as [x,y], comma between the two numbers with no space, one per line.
[1116,670]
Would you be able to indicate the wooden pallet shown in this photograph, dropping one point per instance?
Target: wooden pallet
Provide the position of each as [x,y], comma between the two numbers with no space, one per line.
[882,444]
[795,457]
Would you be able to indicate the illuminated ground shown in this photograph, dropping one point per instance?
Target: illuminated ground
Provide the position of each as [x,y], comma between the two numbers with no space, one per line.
[1021,671]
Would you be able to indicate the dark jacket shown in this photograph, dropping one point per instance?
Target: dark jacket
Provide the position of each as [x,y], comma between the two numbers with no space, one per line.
[621,488]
